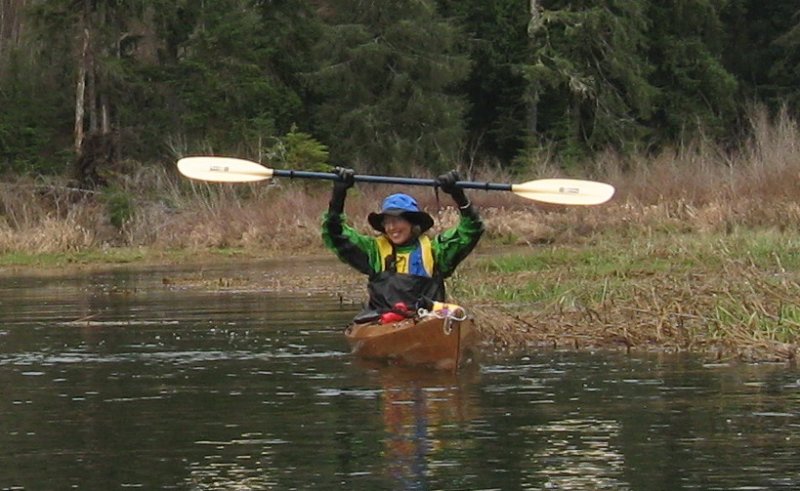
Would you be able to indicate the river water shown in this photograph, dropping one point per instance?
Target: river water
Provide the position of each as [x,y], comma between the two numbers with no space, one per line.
[122,380]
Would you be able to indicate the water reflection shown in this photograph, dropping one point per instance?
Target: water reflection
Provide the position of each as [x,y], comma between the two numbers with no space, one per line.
[245,463]
[577,454]
[421,409]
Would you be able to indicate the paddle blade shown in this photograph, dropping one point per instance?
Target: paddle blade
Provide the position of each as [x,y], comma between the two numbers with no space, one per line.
[565,191]
[223,169]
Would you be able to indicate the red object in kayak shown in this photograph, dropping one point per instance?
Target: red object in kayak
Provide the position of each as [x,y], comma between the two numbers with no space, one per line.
[398,313]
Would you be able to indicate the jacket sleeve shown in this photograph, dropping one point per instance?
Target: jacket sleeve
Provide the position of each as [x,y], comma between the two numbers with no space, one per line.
[351,247]
[455,244]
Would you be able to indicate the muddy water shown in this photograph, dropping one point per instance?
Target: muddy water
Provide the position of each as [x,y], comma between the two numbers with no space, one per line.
[125,380]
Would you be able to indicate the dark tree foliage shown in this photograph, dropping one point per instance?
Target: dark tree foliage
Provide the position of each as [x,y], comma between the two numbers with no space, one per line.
[35,120]
[697,92]
[497,39]
[231,79]
[785,70]
[385,85]
[35,109]
[590,71]
[761,50]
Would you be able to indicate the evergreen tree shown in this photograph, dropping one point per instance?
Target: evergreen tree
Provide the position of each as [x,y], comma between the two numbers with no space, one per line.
[36,115]
[385,85]
[786,70]
[588,66]
[496,33]
[758,48]
[231,74]
[697,92]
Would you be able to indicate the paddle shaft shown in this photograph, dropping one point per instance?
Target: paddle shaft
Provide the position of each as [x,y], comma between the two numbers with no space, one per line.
[410,181]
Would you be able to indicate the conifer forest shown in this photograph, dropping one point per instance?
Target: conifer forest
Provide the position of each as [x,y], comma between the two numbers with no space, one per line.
[383,86]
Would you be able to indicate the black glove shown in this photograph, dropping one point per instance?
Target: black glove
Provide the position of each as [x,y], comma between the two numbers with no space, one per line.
[448,184]
[345,180]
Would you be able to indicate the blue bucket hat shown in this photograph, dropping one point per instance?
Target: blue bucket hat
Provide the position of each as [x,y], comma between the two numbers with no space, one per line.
[404,206]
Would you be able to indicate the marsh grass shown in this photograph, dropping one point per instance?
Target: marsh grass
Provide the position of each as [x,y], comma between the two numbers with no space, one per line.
[698,250]
[729,295]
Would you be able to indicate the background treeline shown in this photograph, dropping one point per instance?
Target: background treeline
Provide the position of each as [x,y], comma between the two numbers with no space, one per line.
[383,86]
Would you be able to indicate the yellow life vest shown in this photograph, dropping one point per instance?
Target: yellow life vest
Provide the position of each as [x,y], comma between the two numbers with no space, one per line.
[403,263]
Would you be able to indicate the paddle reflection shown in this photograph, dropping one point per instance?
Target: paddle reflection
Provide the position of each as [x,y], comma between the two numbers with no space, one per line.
[422,410]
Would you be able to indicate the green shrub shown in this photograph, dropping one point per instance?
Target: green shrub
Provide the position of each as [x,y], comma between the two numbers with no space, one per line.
[120,206]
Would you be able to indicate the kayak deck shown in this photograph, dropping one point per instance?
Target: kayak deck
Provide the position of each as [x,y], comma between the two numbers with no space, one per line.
[440,343]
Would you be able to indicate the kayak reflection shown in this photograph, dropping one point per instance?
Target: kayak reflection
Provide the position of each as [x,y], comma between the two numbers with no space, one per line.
[422,412]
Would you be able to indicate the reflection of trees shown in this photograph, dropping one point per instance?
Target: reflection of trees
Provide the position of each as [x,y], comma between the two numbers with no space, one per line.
[417,406]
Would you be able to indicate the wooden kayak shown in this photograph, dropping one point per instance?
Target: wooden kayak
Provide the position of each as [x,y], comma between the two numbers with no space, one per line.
[434,341]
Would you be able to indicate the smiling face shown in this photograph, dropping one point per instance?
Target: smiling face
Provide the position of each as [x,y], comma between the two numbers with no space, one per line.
[397,228]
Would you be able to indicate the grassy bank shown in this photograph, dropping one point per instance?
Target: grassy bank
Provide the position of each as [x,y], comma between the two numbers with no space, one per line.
[697,251]
[731,295]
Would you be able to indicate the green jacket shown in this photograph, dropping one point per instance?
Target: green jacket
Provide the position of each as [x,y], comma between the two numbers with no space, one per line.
[362,252]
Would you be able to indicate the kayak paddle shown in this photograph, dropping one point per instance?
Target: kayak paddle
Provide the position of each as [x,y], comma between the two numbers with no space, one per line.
[558,191]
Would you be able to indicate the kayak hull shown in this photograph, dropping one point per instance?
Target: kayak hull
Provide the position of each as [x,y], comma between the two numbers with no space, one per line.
[440,343]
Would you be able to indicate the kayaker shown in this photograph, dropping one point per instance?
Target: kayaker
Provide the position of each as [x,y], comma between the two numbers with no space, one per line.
[406,268]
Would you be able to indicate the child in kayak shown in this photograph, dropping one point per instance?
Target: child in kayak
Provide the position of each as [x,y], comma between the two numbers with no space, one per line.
[406,268]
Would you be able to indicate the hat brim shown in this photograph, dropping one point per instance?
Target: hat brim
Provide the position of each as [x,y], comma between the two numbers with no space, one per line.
[420,218]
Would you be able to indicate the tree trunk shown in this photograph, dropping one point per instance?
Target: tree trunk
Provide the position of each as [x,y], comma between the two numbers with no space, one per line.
[533,92]
[105,121]
[91,92]
[3,29]
[80,91]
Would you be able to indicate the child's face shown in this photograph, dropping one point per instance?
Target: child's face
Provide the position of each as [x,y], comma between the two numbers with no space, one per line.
[398,229]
